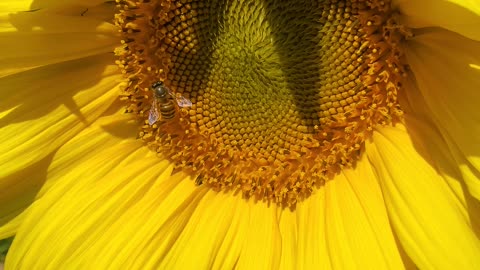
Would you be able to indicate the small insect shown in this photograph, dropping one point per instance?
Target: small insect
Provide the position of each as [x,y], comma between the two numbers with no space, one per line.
[83,12]
[163,105]
[199,180]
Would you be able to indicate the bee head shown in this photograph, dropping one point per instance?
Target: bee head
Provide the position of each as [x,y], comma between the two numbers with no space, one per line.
[157,84]
[159,90]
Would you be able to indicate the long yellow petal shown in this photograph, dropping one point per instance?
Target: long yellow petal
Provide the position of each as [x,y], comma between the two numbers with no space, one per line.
[445,66]
[105,195]
[38,118]
[289,232]
[432,147]
[424,211]
[213,235]
[461,16]
[10,228]
[32,39]
[80,166]
[261,247]
[313,252]
[357,226]
[18,190]
[9,6]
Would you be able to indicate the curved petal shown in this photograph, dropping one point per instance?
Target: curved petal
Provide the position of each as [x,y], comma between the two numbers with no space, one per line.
[311,220]
[9,6]
[213,236]
[424,211]
[137,215]
[358,232]
[81,164]
[289,231]
[18,190]
[89,10]
[430,144]
[262,245]
[105,195]
[461,16]
[33,39]
[10,228]
[39,117]
[225,232]
[447,71]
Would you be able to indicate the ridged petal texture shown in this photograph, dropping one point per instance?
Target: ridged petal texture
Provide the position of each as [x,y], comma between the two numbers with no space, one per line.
[448,79]
[56,77]
[461,16]
[36,38]
[107,195]
[425,213]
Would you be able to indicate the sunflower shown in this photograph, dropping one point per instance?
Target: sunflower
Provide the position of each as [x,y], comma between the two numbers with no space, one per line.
[272,134]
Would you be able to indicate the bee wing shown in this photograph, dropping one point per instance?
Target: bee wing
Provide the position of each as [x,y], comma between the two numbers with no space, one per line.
[153,115]
[183,102]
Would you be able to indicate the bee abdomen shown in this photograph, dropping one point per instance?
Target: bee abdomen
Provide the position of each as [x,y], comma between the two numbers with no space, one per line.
[167,110]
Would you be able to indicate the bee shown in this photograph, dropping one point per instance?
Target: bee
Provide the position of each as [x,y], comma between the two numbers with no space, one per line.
[199,180]
[163,105]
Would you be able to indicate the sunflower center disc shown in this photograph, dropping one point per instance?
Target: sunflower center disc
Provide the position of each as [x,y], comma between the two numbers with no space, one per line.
[283,93]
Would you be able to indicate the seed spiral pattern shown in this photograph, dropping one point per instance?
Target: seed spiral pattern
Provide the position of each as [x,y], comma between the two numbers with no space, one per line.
[284,92]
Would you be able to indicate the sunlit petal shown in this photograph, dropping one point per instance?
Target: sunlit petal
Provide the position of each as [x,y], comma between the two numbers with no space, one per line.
[461,16]
[417,199]
[455,112]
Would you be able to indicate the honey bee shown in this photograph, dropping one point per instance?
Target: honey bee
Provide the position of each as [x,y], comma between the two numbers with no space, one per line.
[163,105]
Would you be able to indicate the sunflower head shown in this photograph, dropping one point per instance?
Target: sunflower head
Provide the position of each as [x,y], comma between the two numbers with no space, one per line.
[267,98]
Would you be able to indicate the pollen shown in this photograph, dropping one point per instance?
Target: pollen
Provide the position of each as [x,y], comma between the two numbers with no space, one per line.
[282,94]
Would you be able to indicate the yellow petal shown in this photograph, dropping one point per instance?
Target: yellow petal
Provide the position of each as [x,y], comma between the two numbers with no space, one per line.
[432,147]
[357,226]
[24,5]
[99,10]
[444,65]
[32,39]
[82,219]
[9,6]
[424,211]
[313,251]
[55,5]
[10,228]
[289,232]
[105,195]
[88,167]
[472,5]
[18,190]
[213,236]
[106,133]
[224,232]
[229,251]
[262,246]
[41,110]
[461,16]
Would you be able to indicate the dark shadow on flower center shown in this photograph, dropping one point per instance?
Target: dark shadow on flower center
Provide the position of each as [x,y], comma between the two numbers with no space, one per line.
[296,38]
